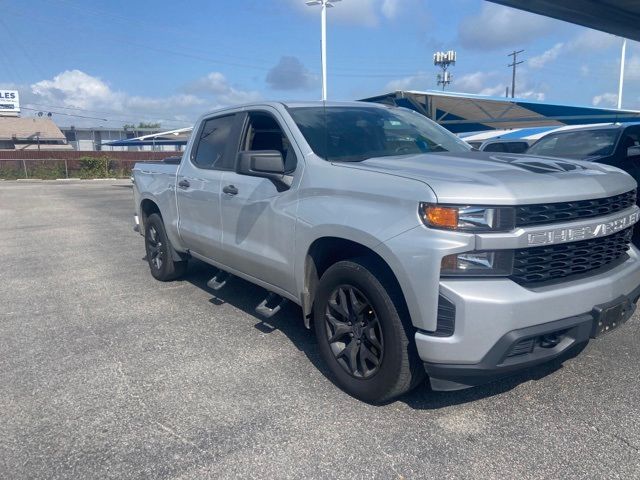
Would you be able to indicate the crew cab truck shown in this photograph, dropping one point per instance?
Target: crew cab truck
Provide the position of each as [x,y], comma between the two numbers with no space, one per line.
[410,255]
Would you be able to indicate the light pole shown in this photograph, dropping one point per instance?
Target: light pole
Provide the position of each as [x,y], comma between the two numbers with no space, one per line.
[621,83]
[324,4]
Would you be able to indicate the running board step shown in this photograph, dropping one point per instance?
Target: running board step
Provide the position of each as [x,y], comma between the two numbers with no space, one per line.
[270,305]
[219,280]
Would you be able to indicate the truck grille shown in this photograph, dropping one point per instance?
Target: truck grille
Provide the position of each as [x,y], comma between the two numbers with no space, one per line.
[563,211]
[541,264]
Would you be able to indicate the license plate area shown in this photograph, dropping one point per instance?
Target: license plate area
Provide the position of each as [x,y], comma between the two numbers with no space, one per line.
[609,316]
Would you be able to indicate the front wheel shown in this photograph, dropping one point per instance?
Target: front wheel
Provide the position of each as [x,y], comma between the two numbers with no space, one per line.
[364,333]
[159,251]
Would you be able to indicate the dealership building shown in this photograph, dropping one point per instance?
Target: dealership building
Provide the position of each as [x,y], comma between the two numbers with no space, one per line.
[42,133]
[104,138]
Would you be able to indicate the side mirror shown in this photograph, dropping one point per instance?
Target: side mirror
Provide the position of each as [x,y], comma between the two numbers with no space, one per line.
[633,151]
[263,163]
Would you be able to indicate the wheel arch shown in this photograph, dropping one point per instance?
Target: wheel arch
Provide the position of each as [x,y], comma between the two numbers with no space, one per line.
[328,250]
[149,206]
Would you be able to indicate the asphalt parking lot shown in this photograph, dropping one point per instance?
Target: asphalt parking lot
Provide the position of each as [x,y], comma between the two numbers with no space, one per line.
[107,373]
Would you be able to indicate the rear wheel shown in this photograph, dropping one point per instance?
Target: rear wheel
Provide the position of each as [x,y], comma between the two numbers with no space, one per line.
[364,333]
[159,251]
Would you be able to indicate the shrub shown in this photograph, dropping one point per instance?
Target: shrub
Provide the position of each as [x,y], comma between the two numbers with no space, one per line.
[94,167]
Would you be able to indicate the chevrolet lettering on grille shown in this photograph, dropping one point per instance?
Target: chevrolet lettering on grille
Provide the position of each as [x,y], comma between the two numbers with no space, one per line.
[561,235]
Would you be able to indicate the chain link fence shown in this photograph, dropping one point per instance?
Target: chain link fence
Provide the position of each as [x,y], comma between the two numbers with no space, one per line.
[51,169]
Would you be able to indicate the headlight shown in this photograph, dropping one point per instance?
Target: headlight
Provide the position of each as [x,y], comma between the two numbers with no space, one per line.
[467,218]
[498,263]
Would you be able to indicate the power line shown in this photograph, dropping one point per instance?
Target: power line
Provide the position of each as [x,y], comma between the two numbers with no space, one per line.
[107,112]
[67,114]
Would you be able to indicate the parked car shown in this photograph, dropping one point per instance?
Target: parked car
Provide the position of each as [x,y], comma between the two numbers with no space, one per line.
[501,145]
[408,253]
[616,144]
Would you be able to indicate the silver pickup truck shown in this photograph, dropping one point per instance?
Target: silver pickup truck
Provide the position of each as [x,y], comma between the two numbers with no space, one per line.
[409,254]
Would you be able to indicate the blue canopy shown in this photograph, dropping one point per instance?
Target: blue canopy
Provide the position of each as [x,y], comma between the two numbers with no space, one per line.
[463,112]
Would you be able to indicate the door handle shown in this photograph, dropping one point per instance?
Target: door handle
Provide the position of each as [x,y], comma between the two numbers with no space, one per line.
[230,190]
[184,184]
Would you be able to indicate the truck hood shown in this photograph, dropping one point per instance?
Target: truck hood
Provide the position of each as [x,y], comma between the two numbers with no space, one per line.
[486,178]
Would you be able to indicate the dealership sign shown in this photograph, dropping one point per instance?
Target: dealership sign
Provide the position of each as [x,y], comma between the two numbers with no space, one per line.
[9,101]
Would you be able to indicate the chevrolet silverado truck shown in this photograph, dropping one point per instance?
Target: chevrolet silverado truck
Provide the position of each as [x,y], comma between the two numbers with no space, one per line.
[410,255]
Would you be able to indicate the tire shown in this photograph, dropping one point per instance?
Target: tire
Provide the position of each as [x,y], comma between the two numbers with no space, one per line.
[386,359]
[159,251]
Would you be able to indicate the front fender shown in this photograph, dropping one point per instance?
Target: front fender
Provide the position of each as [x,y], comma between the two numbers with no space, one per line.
[415,257]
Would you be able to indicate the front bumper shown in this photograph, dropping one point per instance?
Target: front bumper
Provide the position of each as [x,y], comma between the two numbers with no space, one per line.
[494,315]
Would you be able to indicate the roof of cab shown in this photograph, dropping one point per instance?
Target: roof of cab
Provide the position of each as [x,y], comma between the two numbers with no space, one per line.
[298,104]
[294,104]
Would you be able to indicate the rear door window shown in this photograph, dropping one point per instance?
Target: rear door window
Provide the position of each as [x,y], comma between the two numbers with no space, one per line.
[212,150]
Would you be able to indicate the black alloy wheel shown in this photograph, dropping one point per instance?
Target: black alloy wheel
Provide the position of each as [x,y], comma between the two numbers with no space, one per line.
[156,250]
[364,331]
[160,252]
[354,332]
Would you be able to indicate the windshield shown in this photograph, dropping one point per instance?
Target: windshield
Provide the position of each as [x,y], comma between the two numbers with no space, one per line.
[578,145]
[353,134]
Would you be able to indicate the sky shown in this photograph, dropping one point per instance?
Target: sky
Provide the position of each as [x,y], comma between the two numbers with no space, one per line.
[116,62]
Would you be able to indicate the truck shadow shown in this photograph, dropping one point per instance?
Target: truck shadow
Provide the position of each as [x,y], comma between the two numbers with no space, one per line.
[424,398]
[245,296]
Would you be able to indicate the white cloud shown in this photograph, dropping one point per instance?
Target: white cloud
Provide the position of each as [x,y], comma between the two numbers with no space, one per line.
[605,100]
[546,57]
[76,88]
[489,84]
[419,81]
[390,8]
[482,83]
[216,84]
[532,95]
[631,67]
[357,12]
[365,12]
[75,92]
[587,42]
[501,27]
[479,83]
[592,40]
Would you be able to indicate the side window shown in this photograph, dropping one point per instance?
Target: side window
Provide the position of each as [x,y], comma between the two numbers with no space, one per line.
[517,147]
[212,144]
[495,147]
[263,132]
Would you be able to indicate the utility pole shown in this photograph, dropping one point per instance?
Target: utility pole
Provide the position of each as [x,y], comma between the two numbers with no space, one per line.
[324,4]
[515,63]
[622,60]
